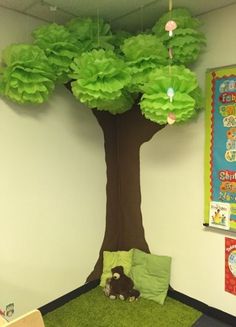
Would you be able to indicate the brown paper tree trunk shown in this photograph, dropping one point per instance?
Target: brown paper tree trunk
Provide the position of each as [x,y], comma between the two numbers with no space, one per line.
[123,136]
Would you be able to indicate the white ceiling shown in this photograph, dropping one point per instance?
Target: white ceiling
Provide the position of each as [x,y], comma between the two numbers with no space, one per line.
[126,14]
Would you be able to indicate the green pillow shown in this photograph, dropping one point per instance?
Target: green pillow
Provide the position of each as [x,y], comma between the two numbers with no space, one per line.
[113,259]
[151,275]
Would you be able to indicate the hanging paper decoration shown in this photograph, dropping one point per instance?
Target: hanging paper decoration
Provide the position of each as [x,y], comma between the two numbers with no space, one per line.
[94,33]
[59,46]
[170,93]
[170,27]
[155,103]
[115,106]
[170,52]
[181,16]
[27,76]
[171,118]
[187,40]
[108,70]
[187,45]
[118,39]
[143,53]
[101,77]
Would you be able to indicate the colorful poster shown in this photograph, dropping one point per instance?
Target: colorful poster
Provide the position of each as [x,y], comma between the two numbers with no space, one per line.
[220,153]
[230,265]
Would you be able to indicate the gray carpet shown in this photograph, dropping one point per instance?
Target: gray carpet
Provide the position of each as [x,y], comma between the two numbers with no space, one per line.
[205,321]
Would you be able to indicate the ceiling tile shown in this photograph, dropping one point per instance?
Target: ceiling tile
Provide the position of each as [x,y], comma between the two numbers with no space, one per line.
[43,11]
[107,8]
[152,11]
[197,7]
[20,5]
[125,14]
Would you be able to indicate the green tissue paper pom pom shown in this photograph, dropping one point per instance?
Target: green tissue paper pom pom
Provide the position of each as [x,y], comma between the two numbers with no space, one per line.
[118,39]
[181,16]
[198,97]
[187,41]
[100,78]
[93,33]
[143,53]
[27,76]
[155,103]
[142,46]
[59,46]
[115,106]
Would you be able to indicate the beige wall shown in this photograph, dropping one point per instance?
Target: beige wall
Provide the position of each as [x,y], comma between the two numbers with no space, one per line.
[52,191]
[172,184]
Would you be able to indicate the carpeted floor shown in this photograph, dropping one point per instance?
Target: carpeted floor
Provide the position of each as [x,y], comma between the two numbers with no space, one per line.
[93,309]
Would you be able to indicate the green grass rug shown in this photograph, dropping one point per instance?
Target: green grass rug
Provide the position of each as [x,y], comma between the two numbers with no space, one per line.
[94,309]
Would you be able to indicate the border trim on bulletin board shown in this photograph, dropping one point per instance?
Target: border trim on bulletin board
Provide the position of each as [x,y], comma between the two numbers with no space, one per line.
[220,148]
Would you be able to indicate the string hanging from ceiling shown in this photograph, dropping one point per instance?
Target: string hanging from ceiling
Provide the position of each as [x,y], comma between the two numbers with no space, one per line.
[170,27]
[53,10]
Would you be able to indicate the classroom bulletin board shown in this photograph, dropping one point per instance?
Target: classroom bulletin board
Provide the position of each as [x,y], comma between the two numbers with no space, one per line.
[220,148]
